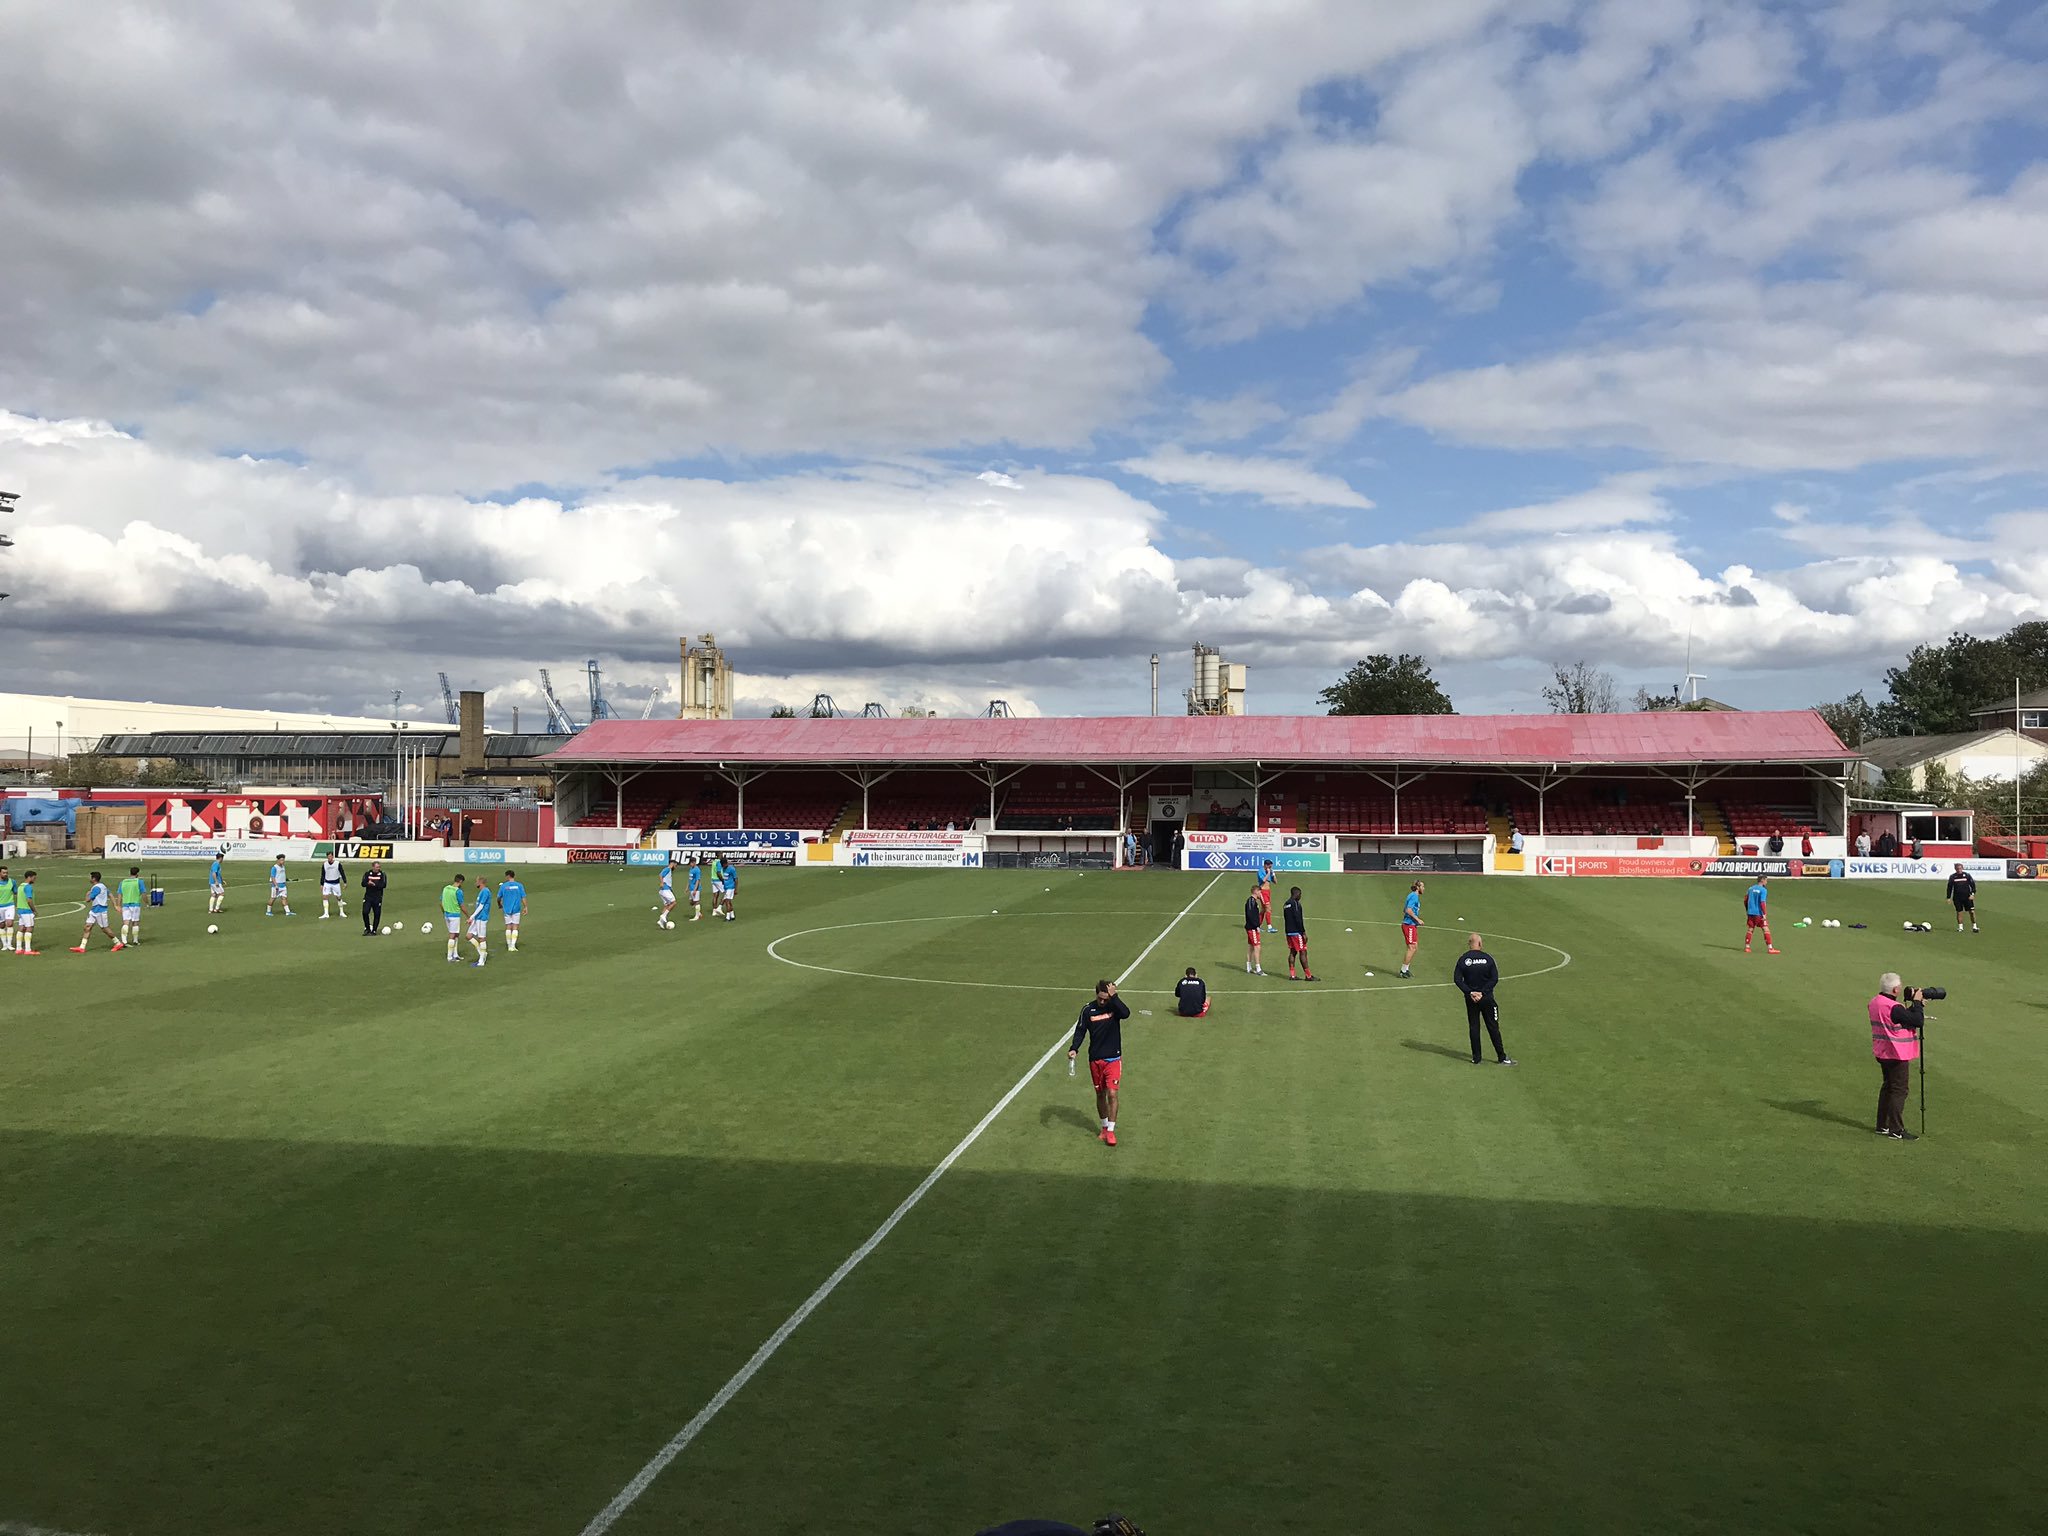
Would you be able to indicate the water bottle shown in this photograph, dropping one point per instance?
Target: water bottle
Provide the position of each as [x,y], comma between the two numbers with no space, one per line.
[1070,1066]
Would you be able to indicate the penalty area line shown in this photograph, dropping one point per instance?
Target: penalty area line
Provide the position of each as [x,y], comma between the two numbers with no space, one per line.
[629,1495]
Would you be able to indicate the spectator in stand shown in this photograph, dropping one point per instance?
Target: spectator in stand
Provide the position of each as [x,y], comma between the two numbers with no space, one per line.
[1776,845]
[1887,845]
[1863,844]
[1515,840]
[1180,841]
[1916,849]
[1806,845]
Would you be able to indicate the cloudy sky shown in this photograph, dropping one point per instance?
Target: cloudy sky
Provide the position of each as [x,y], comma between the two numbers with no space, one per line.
[935,352]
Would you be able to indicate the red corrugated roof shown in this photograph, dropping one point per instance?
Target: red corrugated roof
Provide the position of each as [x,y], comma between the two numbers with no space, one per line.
[1659,736]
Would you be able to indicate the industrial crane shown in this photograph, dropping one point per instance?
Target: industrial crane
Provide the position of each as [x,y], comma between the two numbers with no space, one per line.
[448,701]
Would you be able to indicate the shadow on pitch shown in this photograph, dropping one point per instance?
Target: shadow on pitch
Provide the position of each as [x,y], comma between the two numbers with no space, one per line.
[1813,1109]
[1432,1048]
[1052,1114]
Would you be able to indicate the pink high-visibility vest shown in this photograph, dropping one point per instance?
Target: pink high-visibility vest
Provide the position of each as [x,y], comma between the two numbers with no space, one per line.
[1889,1041]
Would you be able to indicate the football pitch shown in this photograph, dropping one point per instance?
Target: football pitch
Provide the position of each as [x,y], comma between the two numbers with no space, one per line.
[302,1232]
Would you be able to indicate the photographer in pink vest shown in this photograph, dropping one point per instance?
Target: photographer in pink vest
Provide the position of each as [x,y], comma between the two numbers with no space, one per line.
[1896,1017]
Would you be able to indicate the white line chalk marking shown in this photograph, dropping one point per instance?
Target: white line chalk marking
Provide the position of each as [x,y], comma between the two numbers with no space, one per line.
[627,1496]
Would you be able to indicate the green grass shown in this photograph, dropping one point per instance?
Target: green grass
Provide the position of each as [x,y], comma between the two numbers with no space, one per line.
[305,1233]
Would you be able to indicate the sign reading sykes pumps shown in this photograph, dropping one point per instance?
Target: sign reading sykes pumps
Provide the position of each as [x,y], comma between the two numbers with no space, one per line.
[736,838]
[1290,863]
[1924,869]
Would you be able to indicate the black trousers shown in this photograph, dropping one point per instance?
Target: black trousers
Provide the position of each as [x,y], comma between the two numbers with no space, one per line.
[373,911]
[1486,1011]
[1891,1095]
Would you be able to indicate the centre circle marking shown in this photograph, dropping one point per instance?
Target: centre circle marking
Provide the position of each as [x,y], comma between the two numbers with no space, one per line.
[1397,985]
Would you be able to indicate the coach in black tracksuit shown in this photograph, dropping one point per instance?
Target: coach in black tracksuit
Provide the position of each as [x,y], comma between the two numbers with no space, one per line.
[1475,976]
[373,898]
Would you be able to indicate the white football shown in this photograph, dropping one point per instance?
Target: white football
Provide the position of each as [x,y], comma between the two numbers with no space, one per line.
[1368,973]
[1907,926]
[426,927]
[1347,930]
[386,928]
[213,927]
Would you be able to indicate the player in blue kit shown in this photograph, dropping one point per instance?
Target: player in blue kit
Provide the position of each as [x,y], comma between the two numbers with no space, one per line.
[1411,924]
[696,890]
[665,888]
[95,915]
[732,887]
[216,886]
[480,923]
[512,902]
[25,915]
[278,894]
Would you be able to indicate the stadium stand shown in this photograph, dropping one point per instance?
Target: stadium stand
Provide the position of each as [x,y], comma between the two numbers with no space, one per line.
[928,801]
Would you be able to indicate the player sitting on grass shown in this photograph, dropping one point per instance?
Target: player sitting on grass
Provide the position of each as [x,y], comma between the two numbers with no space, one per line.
[95,915]
[512,902]
[7,928]
[1756,903]
[1254,920]
[1297,934]
[1192,995]
[131,906]
[451,917]
[278,897]
[480,923]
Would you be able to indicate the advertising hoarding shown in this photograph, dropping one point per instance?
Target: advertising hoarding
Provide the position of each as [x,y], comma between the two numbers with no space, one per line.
[1283,863]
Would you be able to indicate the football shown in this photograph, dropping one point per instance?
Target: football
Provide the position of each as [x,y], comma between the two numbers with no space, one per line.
[385,929]
[213,927]
[426,927]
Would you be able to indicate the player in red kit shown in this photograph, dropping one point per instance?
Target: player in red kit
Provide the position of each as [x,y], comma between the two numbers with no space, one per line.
[1102,1025]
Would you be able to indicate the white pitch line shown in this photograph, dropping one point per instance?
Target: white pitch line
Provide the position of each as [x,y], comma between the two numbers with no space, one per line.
[16,1528]
[629,1495]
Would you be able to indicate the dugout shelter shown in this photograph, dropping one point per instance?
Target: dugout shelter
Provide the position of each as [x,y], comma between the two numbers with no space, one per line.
[1373,788]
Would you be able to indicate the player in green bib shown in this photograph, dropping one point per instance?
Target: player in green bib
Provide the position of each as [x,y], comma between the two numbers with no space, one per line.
[6,911]
[130,890]
[451,916]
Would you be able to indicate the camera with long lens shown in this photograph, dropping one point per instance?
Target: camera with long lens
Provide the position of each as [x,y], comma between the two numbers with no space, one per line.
[1931,994]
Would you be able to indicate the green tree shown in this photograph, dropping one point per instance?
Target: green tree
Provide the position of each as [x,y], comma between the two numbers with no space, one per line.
[782,712]
[87,770]
[1940,685]
[1854,719]
[1581,689]
[168,773]
[1388,685]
